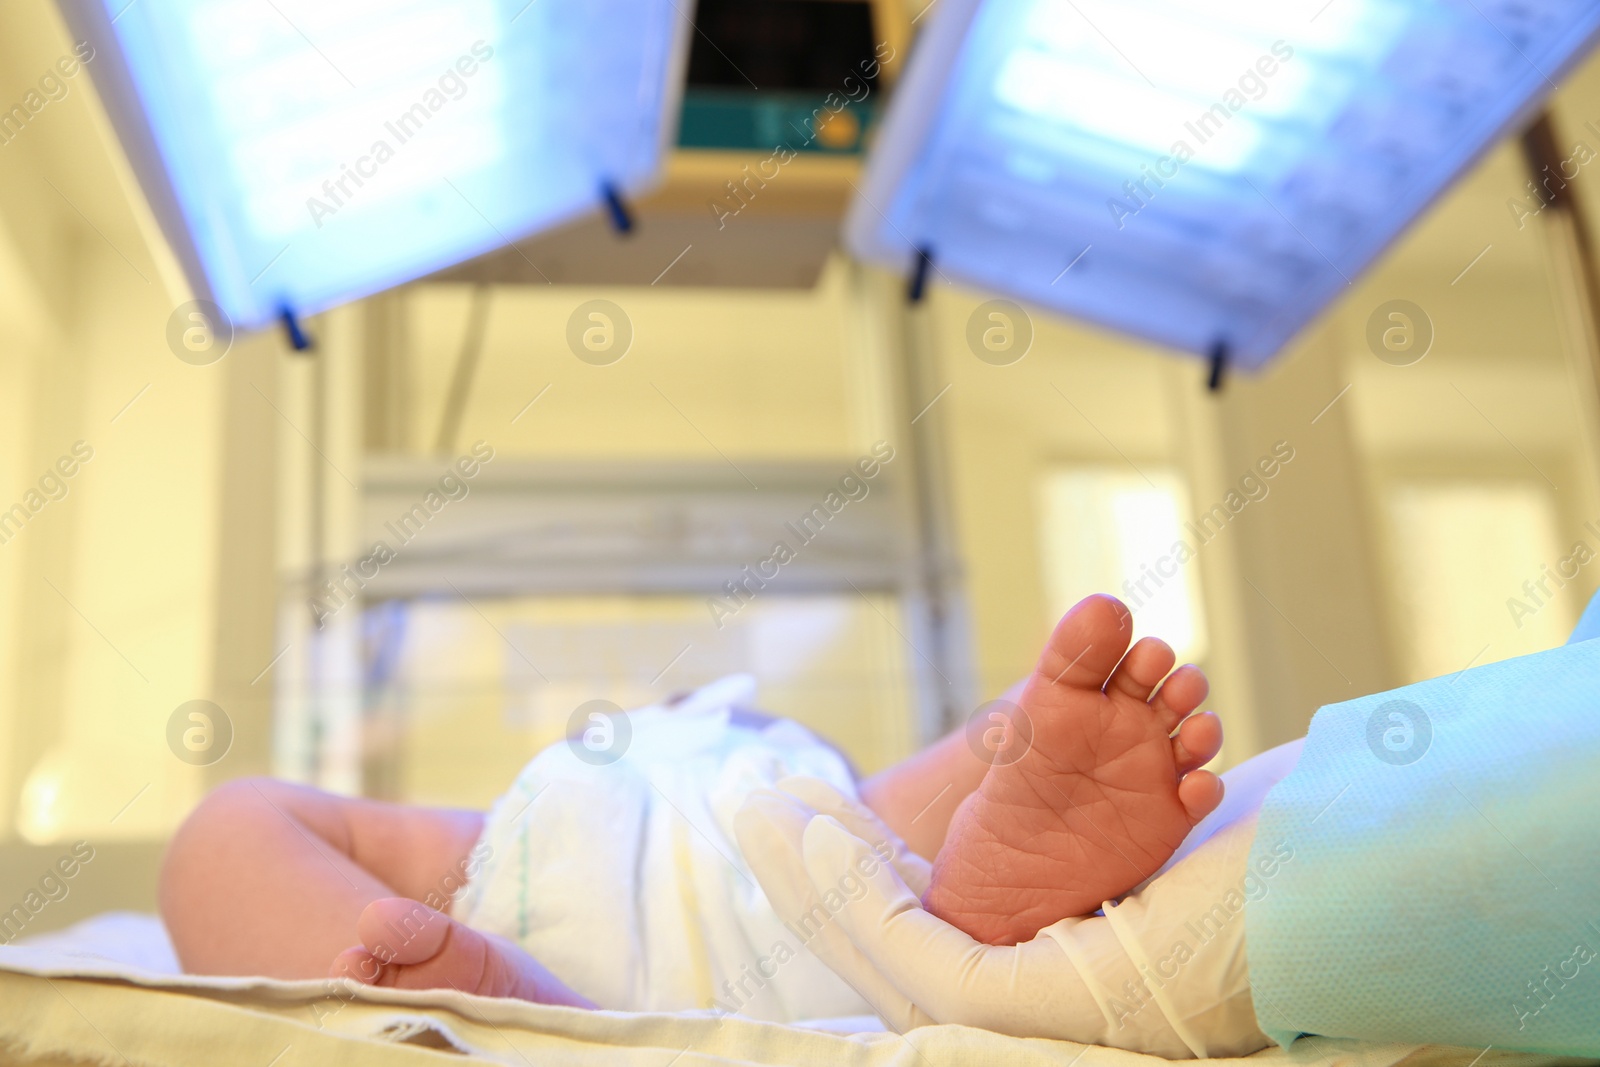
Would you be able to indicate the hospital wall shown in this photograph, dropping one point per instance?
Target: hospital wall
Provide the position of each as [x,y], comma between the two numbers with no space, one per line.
[1419,501]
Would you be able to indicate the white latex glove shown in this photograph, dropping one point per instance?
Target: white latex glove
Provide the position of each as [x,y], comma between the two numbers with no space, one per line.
[770,828]
[1163,972]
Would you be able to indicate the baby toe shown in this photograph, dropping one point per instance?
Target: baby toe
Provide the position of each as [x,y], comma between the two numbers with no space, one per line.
[397,930]
[1198,741]
[1142,669]
[1200,792]
[1183,691]
[358,965]
[1087,644]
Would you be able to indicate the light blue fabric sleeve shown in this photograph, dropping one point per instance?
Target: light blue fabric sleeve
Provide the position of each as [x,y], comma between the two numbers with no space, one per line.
[1443,885]
[1588,626]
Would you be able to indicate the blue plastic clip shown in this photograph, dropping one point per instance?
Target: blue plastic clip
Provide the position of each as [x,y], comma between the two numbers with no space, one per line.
[1219,363]
[621,219]
[298,340]
[919,276]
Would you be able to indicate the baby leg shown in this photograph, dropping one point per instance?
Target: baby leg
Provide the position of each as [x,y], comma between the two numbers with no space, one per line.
[917,797]
[270,878]
[274,879]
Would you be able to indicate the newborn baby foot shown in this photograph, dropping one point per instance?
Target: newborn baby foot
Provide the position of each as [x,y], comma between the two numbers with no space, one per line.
[1101,799]
[411,946]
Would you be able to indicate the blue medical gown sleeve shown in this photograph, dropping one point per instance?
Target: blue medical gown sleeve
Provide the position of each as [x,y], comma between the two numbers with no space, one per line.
[1445,885]
[1588,624]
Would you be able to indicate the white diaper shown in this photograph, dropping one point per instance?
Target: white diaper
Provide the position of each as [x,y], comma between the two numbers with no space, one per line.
[625,881]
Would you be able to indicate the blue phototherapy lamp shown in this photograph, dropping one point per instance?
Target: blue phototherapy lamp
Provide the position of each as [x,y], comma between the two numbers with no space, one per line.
[1206,175]
[303,153]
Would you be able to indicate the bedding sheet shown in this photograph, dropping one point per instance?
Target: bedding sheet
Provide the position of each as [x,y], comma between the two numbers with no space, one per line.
[98,994]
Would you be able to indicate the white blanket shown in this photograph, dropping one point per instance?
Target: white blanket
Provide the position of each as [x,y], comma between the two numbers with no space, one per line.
[82,997]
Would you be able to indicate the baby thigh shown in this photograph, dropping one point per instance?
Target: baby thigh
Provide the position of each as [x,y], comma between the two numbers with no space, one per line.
[268,878]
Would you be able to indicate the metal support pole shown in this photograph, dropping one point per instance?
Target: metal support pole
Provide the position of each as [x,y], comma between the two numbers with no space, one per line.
[1575,274]
[947,638]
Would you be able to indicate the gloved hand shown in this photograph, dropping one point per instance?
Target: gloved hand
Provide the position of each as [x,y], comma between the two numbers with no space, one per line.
[770,828]
[1163,972]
